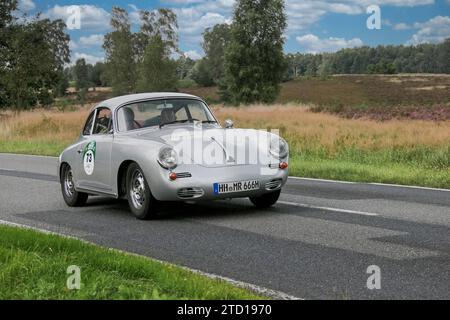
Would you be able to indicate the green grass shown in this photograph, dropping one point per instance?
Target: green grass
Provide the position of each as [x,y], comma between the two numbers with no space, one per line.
[33,265]
[36,148]
[383,172]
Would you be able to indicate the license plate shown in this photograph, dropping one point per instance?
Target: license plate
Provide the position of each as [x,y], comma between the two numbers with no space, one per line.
[239,186]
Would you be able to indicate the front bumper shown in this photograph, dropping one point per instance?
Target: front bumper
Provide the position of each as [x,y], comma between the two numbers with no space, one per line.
[197,182]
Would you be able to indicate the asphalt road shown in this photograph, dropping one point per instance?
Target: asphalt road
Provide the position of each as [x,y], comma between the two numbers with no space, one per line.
[317,243]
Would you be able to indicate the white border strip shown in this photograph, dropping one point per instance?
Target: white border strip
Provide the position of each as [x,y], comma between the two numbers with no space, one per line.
[274,294]
[295,204]
[370,184]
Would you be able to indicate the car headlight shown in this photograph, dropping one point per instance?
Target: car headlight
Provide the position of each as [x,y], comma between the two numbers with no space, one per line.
[168,158]
[278,147]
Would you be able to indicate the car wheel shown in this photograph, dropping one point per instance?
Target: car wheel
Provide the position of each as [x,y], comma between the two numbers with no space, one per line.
[72,197]
[266,200]
[140,199]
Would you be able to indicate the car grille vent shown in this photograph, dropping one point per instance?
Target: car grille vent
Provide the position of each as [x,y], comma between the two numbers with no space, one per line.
[182,175]
[190,193]
[274,184]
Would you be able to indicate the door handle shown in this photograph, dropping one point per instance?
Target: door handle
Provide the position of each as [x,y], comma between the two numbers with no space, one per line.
[80,151]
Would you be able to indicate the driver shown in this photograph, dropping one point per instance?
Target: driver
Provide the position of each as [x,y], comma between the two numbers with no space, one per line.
[129,119]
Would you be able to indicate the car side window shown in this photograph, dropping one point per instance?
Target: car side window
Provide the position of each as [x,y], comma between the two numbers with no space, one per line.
[103,121]
[88,125]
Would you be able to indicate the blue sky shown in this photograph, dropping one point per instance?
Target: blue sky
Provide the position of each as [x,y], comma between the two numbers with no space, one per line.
[313,25]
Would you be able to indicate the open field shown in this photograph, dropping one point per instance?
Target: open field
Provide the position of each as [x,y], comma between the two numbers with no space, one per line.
[378,97]
[413,152]
[33,266]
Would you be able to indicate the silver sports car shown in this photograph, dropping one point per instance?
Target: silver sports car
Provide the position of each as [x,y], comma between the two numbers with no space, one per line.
[156,147]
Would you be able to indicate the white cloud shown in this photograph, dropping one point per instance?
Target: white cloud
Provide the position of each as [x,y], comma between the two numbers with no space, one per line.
[92,17]
[193,54]
[303,14]
[193,22]
[94,40]
[89,58]
[402,26]
[313,44]
[434,30]
[26,5]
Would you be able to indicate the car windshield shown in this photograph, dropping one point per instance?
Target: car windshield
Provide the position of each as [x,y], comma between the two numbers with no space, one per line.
[162,112]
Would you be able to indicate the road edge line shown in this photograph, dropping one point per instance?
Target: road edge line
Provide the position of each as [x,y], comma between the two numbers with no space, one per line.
[370,183]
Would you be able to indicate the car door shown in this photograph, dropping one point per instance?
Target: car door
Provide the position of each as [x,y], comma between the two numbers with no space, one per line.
[95,173]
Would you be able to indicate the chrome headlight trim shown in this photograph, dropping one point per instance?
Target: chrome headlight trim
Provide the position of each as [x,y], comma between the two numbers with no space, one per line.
[168,158]
[278,147]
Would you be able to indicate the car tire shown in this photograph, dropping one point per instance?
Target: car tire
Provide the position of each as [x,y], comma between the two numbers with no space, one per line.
[140,199]
[72,197]
[266,200]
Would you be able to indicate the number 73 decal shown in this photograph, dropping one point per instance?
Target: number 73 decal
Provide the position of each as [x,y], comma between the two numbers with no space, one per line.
[89,158]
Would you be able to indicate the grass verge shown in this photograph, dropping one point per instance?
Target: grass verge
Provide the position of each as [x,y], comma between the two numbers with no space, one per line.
[33,266]
[386,173]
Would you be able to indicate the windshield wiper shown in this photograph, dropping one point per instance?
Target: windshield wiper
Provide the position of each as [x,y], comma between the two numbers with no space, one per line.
[172,122]
[209,121]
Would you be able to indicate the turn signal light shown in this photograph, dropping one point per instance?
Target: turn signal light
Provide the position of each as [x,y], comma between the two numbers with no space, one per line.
[173,176]
[283,165]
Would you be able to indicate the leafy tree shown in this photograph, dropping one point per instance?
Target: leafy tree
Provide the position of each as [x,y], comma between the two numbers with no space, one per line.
[33,58]
[201,73]
[157,71]
[215,41]
[120,53]
[96,74]
[6,19]
[82,83]
[254,62]
[157,40]
[62,83]
[184,67]
[81,73]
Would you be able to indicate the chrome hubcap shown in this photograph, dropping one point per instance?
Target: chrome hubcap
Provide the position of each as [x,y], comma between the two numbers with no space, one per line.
[69,187]
[137,191]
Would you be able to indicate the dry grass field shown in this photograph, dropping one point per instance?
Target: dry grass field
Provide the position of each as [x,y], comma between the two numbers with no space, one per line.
[322,145]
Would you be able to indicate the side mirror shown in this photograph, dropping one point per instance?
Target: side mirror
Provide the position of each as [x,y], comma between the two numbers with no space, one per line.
[229,124]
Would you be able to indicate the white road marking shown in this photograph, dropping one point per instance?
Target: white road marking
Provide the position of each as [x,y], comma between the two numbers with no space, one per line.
[274,294]
[371,214]
[370,184]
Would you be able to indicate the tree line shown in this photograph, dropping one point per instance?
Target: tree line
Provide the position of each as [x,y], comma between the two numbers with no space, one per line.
[424,58]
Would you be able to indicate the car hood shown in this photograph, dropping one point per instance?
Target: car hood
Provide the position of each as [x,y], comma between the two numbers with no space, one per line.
[215,147]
